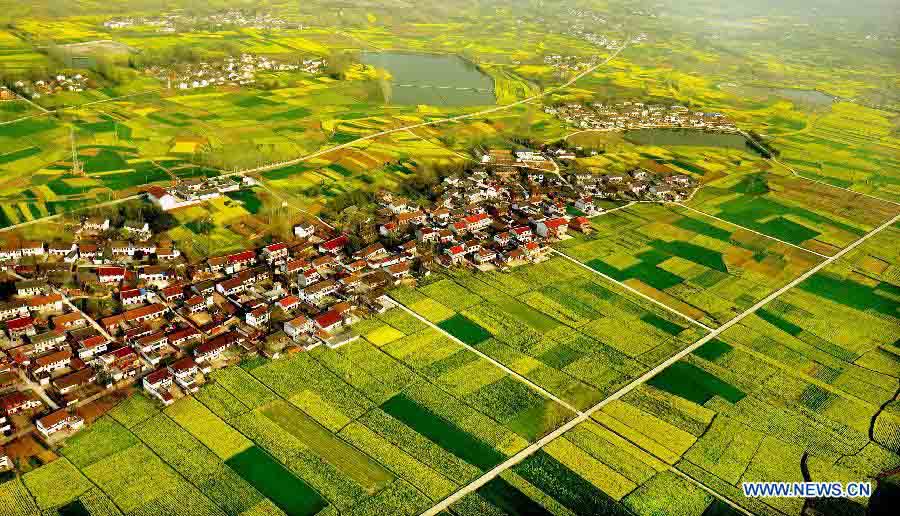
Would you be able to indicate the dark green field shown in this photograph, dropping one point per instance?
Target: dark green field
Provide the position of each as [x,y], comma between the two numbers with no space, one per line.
[465,330]
[275,482]
[694,384]
[442,432]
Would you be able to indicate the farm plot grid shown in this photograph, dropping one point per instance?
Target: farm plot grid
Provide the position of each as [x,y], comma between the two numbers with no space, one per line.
[701,267]
[571,332]
[392,422]
[811,215]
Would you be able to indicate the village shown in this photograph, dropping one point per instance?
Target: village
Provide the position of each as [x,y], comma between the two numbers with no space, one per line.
[170,22]
[231,71]
[637,115]
[53,85]
[116,307]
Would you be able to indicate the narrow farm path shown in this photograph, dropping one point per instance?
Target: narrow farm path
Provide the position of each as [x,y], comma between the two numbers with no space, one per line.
[695,210]
[499,365]
[584,416]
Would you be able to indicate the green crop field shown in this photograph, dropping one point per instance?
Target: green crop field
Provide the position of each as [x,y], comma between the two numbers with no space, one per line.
[704,268]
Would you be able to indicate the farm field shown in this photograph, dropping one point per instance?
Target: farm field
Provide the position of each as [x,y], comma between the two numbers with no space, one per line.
[807,214]
[699,266]
[396,420]
[557,325]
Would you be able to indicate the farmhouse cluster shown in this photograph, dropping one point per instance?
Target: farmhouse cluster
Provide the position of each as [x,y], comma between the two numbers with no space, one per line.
[170,22]
[52,85]
[231,71]
[637,115]
[188,193]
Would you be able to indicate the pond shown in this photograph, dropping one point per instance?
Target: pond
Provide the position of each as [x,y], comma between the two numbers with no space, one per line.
[441,80]
[664,137]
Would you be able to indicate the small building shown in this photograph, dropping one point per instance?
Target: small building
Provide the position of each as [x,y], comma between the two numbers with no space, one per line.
[185,372]
[133,296]
[47,364]
[73,381]
[19,401]
[19,327]
[298,327]
[111,274]
[258,317]
[61,420]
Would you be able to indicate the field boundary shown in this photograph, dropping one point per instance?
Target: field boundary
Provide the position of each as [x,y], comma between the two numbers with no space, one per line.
[632,290]
[499,365]
[695,210]
[585,416]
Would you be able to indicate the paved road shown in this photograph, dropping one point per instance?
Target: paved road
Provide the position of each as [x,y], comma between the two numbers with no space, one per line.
[38,389]
[515,459]
[90,319]
[512,373]
[748,229]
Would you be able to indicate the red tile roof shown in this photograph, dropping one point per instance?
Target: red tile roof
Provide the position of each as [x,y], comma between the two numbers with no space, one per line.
[241,257]
[336,243]
[20,323]
[327,319]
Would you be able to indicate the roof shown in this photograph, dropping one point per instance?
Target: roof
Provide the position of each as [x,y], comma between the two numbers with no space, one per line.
[276,247]
[19,323]
[56,418]
[153,338]
[93,342]
[111,271]
[298,321]
[159,375]
[521,229]
[62,320]
[44,300]
[80,377]
[183,364]
[336,243]
[144,311]
[17,398]
[289,301]
[316,287]
[478,217]
[259,311]
[157,191]
[457,249]
[329,318]
[195,300]
[130,293]
[241,257]
[53,358]
[181,334]
[220,342]
[174,290]
[555,223]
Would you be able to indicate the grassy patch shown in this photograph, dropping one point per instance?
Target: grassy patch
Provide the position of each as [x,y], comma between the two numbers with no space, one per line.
[352,462]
